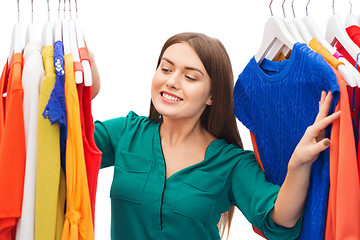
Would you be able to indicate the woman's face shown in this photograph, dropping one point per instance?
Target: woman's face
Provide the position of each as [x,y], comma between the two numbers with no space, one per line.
[181,86]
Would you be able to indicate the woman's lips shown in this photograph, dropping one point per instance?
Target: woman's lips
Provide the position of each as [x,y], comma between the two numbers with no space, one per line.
[169,97]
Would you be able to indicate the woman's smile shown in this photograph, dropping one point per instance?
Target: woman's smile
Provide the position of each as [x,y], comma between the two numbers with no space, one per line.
[169,97]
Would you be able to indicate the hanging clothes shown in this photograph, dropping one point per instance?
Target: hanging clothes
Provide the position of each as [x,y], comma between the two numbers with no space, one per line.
[12,147]
[78,219]
[278,101]
[55,109]
[354,93]
[344,189]
[317,47]
[32,75]
[92,153]
[343,214]
[50,180]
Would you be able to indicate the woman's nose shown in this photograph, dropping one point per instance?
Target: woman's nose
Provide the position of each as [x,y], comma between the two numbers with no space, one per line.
[173,81]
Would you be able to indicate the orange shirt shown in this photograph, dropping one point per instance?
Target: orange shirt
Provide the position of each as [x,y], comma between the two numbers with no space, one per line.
[78,219]
[12,148]
[343,213]
[343,216]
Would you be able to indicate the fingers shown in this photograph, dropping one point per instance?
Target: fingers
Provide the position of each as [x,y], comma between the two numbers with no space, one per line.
[321,146]
[324,105]
[91,56]
[320,125]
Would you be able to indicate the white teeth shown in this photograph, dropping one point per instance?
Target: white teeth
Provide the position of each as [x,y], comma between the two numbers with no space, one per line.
[171,98]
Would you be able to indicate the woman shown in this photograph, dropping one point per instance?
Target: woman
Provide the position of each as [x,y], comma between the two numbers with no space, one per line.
[180,171]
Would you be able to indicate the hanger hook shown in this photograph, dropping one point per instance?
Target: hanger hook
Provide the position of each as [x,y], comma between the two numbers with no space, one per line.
[269,7]
[18,12]
[76,9]
[292,6]
[350,6]
[307,5]
[48,10]
[333,6]
[282,5]
[64,9]
[59,9]
[32,11]
[70,8]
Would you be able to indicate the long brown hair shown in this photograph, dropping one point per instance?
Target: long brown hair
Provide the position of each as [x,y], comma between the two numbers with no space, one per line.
[217,118]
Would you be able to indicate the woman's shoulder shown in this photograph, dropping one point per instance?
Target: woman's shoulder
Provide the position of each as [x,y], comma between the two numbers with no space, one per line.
[231,151]
[131,122]
[132,118]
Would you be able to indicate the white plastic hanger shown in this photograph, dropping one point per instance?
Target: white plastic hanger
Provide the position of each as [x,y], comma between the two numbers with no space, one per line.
[304,32]
[74,47]
[315,32]
[349,73]
[16,37]
[31,31]
[291,26]
[58,27]
[66,33]
[81,44]
[274,30]
[335,31]
[47,36]
[351,19]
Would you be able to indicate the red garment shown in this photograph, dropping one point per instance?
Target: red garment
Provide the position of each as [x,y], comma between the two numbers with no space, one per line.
[92,153]
[354,34]
[343,215]
[12,148]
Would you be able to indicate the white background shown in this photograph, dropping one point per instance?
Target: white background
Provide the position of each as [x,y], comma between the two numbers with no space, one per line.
[126,38]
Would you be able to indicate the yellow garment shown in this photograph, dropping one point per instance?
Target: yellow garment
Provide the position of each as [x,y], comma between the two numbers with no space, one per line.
[280,57]
[60,216]
[78,219]
[317,47]
[48,178]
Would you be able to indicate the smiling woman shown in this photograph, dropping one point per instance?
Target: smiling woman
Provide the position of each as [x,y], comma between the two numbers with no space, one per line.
[126,37]
[183,168]
[180,91]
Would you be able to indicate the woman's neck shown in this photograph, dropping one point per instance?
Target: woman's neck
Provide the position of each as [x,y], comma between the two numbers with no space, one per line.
[179,131]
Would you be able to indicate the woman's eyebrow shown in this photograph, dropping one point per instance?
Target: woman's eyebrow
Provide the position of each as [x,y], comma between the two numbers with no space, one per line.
[188,68]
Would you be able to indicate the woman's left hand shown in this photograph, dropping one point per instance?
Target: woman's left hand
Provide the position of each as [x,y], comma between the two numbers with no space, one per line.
[313,141]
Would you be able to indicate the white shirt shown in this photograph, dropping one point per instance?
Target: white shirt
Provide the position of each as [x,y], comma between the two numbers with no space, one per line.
[33,74]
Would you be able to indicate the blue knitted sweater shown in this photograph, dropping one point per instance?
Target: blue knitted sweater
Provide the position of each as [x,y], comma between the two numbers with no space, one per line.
[277,101]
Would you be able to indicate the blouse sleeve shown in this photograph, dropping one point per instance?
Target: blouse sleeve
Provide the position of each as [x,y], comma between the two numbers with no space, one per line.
[107,135]
[255,197]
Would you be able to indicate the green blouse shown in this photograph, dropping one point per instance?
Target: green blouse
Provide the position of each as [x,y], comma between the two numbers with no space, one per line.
[187,205]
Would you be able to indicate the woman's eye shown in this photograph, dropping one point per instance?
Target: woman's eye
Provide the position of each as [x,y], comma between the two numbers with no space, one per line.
[166,70]
[190,78]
